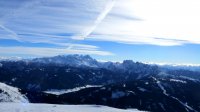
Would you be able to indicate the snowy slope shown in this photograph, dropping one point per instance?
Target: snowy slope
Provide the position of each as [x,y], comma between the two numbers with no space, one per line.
[11,94]
[27,107]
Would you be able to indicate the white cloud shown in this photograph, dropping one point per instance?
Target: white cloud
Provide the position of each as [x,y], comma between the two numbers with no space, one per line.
[34,20]
[53,22]
[158,22]
[41,51]
[132,39]
[6,33]
[99,19]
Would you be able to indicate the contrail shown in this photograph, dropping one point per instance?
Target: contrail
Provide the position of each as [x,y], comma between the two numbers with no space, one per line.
[102,15]
[14,14]
[13,34]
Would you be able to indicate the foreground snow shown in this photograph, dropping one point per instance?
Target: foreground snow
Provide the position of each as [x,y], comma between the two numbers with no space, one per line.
[28,107]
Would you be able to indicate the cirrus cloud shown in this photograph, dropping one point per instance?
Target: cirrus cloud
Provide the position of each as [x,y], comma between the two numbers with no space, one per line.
[155,22]
[45,51]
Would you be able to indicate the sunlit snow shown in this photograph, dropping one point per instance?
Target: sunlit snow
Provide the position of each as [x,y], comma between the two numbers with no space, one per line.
[28,107]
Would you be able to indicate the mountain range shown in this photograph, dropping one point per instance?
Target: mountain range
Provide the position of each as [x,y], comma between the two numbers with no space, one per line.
[80,79]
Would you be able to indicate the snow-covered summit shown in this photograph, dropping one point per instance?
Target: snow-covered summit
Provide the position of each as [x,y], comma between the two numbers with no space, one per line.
[73,60]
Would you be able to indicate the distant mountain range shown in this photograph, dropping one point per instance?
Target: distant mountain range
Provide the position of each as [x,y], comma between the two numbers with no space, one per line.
[76,70]
[80,79]
[86,60]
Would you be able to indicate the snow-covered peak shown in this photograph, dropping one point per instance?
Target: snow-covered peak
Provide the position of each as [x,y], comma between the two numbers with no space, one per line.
[128,62]
[11,94]
[73,60]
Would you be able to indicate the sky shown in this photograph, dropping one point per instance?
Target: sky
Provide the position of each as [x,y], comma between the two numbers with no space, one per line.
[157,31]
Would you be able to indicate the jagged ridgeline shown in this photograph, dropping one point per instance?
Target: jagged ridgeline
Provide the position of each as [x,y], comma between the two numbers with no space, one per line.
[64,72]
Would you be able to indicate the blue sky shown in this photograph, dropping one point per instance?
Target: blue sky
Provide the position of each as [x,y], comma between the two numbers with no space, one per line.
[159,31]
